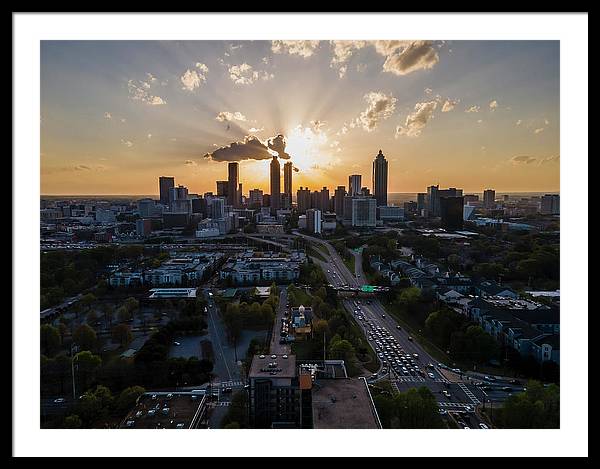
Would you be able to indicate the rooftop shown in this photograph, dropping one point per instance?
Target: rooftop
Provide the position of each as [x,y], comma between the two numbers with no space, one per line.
[172,293]
[343,403]
[273,366]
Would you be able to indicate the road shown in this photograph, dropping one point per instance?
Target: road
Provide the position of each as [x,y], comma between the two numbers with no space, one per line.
[394,347]
[275,347]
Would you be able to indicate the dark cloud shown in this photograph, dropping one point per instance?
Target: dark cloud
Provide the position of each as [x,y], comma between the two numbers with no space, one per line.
[250,149]
[278,144]
[523,159]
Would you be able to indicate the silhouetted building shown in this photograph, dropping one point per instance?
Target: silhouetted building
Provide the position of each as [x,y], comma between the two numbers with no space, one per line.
[550,204]
[380,179]
[275,184]
[165,183]
[434,194]
[222,188]
[489,198]
[338,197]
[451,212]
[233,178]
[255,197]
[354,184]
[303,199]
[313,221]
[288,169]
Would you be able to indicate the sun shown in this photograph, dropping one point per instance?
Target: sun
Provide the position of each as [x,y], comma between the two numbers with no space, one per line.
[306,147]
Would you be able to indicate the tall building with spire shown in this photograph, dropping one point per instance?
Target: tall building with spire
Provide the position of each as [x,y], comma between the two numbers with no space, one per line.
[380,179]
[275,184]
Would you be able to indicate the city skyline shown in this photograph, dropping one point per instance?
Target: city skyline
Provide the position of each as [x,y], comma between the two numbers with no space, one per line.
[470,114]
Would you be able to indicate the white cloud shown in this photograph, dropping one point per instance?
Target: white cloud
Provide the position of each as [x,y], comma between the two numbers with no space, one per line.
[127,143]
[550,159]
[244,74]
[418,55]
[473,109]
[191,80]
[254,129]
[138,91]
[149,135]
[428,91]
[538,131]
[380,107]
[317,125]
[302,48]
[449,105]
[546,122]
[523,160]
[493,105]
[519,122]
[190,163]
[479,121]
[107,115]
[226,116]
[417,120]
[123,120]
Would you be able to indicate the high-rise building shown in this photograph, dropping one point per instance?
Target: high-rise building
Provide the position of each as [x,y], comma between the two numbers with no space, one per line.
[240,196]
[178,193]
[165,183]
[146,207]
[233,179]
[489,198]
[288,169]
[275,184]
[434,194]
[222,188]
[354,184]
[380,179]
[364,212]
[323,200]
[313,220]
[338,198]
[365,192]
[452,212]
[550,204]
[471,198]
[421,202]
[303,199]
[217,208]
[256,197]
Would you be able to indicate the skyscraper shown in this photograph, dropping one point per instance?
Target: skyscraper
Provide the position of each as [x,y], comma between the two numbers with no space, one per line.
[338,197]
[354,184]
[489,198]
[165,183]
[222,188]
[452,212]
[275,184]
[288,169]
[303,199]
[233,176]
[380,179]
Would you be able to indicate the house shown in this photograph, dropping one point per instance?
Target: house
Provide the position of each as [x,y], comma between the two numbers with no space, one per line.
[490,288]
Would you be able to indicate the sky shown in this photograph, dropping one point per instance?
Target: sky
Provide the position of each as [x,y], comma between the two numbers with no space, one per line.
[116,115]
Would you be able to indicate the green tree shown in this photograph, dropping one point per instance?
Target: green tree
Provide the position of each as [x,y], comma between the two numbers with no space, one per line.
[128,398]
[86,364]
[49,340]
[85,337]
[124,314]
[87,300]
[91,317]
[537,407]
[72,421]
[121,334]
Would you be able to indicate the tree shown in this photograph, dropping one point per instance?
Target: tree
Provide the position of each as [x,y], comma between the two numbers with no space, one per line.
[86,364]
[92,317]
[121,334]
[87,300]
[85,337]
[538,407]
[49,340]
[124,314]
[72,421]
[94,405]
[128,398]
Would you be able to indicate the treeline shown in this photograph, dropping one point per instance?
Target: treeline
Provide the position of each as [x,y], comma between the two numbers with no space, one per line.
[537,407]
[65,273]
[415,408]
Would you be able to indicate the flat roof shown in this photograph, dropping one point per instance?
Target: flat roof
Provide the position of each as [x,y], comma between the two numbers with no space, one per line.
[173,293]
[273,366]
[343,403]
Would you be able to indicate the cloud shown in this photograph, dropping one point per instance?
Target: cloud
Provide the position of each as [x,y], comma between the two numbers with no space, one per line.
[138,91]
[380,107]
[278,144]
[417,120]
[449,105]
[538,131]
[244,74]
[523,160]
[107,115]
[550,159]
[361,67]
[519,122]
[418,55]
[302,48]
[428,91]
[191,80]
[473,109]
[493,105]
[226,116]
[82,167]
[317,125]
[202,67]
[342,52]
[127,143]
[254,129]
[251,148]
[479,121]
[190,163]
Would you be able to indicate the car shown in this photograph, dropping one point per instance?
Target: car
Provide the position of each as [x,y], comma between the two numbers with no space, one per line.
[469,408]
[59,400]
[399,328]
[442,411]
[416,355]
[410,338]
[489,378]
[466,427]
[431,375]
[507,389]
[383,316]
[514,381]
[483,426]
[176,343]
[446,393]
